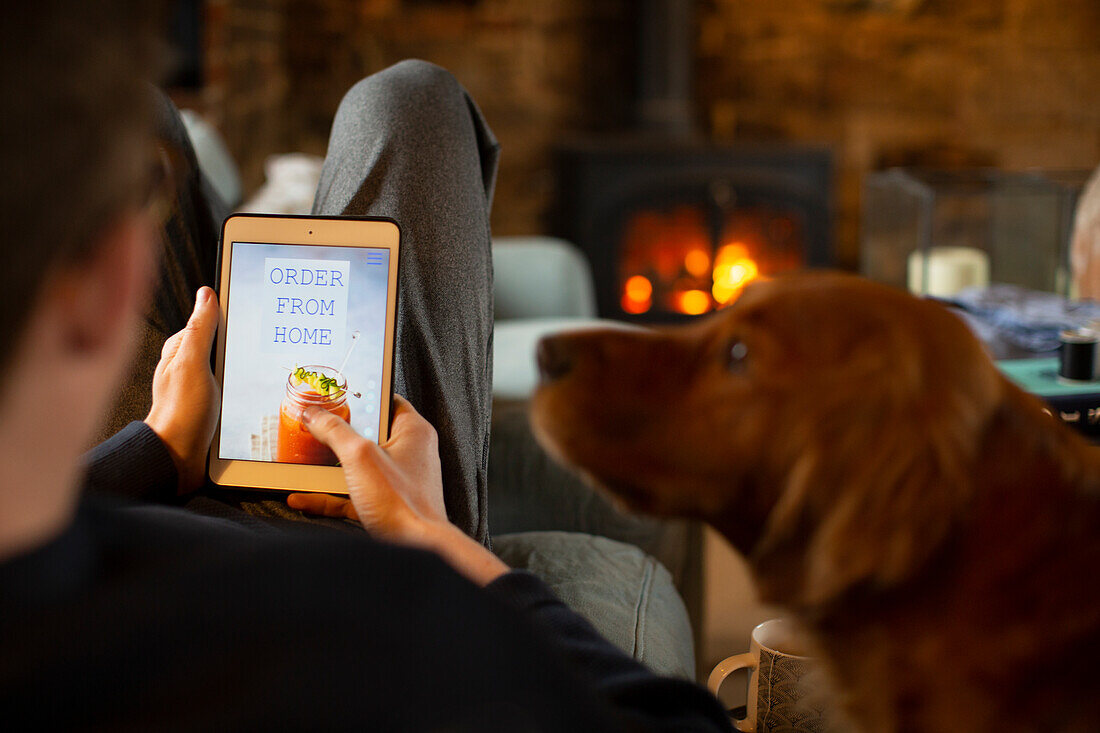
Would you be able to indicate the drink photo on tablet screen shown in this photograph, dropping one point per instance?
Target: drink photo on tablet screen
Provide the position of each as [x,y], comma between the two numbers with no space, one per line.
[305,328]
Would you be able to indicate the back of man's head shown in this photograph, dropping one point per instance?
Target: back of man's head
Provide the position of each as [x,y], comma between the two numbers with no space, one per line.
[75,136]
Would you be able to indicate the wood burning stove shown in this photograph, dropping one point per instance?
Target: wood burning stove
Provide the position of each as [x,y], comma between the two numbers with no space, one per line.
[673,225]
[674,228]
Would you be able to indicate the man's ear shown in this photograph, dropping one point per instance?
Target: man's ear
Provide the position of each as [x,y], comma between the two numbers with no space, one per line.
[96,299]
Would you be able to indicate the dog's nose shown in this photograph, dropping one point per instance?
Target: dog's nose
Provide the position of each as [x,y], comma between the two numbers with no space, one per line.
[555,358]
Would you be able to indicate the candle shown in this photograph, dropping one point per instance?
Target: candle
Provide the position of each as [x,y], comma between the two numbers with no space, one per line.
[949,270]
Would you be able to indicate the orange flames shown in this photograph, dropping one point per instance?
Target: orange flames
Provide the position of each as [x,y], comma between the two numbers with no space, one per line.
[668,260]
[637,294]
[733,270]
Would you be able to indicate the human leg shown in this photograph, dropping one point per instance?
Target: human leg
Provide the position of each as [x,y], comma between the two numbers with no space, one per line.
[410,144]
[407,143]
[188,255]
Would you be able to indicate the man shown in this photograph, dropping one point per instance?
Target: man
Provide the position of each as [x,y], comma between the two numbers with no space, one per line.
[150,617]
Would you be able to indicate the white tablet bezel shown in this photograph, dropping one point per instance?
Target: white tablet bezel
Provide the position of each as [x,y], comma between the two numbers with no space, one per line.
[378,233]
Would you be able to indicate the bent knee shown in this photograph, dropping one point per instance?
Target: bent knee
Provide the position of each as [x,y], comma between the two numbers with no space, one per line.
[420,74]
[411,81]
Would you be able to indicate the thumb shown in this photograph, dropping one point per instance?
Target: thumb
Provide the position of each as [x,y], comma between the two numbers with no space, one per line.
[363,460]
[351,448]
[198,335]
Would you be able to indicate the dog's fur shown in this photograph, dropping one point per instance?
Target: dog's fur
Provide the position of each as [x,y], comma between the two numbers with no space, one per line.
[933,528]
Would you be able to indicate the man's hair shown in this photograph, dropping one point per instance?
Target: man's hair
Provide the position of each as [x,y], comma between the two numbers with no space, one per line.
[76,136]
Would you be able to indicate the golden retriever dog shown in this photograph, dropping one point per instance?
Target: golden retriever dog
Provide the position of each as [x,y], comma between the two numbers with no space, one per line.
[935,531]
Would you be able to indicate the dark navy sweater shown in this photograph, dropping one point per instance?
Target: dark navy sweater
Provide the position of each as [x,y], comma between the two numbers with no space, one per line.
[145,617]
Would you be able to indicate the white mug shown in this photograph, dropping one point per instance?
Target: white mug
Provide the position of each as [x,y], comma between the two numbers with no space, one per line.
[786,687]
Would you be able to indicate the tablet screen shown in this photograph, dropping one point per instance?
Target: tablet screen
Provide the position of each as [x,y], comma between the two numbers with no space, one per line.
[306,326]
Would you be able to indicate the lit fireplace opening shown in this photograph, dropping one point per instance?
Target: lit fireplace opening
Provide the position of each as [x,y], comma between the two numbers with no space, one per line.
[683,260]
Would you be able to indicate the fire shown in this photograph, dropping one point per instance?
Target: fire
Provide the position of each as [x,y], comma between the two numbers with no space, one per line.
[639,288]
[697,262]
[673,261]
[693,302]
[733,270]
[637,294]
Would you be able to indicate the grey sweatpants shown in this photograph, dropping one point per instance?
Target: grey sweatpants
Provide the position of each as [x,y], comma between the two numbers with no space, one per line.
[410,144]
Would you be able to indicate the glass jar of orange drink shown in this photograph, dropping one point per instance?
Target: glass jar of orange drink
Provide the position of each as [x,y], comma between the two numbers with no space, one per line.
[310,386]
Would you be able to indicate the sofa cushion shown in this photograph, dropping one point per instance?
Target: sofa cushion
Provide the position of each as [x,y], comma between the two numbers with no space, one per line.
[541,277]
[624,593]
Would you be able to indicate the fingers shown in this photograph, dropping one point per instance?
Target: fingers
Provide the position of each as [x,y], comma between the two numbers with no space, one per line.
[403,414]
[348,445]
[171,346]
[198,334]
[323,505]
[365,464]
[406,421]
[197,337]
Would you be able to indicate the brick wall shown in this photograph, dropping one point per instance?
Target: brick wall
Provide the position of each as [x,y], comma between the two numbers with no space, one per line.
[278,68]
[246,79]
[1012,83]
[1009,83]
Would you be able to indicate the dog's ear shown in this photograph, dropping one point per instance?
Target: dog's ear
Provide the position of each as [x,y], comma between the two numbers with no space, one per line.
[887,520]
[871,497]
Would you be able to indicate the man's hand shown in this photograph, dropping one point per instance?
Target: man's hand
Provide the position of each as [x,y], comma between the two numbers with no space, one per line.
[185,395]
[396,489]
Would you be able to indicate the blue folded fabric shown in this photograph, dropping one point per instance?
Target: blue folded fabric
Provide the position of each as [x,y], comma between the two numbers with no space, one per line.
[1027,319]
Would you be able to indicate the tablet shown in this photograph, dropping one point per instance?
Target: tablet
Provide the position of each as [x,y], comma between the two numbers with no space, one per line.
[308,306]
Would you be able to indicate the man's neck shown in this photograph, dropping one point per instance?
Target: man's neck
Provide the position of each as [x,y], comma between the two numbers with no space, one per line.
[41,469]
[45,423]
[77,342]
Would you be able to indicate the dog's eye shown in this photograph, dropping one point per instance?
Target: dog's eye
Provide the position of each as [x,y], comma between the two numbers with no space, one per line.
[737,356]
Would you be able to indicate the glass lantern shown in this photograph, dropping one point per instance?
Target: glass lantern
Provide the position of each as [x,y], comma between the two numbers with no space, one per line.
[939,232]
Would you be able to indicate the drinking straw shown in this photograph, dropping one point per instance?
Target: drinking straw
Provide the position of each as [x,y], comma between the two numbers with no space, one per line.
[354,341]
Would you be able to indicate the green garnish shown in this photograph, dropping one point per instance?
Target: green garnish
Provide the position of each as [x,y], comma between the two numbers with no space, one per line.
[319,383]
